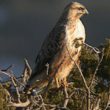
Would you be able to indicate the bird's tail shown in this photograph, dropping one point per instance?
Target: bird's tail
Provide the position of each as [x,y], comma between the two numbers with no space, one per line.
[35,87]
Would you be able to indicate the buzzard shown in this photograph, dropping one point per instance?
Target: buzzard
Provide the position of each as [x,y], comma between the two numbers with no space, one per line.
[65,40]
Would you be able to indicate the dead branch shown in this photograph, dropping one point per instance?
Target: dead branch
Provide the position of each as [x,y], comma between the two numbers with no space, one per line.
[83,78]
[17,89]
[20,104]
[97,69]
[38,100]
[96,50]
[17,84]
[43,104]
[66,98]
[27,72]
[47,65]
[84,81]
[97,104]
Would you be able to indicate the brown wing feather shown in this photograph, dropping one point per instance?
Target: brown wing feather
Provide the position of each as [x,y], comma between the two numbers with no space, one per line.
[52,45]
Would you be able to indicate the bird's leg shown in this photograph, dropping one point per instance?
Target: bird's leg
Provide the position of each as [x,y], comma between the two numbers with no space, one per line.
[65,83]
[57,82]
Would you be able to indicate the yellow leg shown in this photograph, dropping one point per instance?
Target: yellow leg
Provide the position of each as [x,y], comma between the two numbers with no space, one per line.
[65,83]
[57,82]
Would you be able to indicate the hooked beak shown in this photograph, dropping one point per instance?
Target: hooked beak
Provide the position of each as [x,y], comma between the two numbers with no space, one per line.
[86,11]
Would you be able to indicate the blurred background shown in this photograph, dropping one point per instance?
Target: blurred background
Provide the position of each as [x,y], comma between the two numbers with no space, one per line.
[25,23]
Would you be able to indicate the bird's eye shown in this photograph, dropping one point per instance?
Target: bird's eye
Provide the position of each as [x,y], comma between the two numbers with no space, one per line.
[80,8]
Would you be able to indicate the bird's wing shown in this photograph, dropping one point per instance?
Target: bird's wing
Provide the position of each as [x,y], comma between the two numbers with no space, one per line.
[52,44]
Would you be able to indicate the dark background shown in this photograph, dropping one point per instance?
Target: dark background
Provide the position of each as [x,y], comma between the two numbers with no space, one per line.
[25,23]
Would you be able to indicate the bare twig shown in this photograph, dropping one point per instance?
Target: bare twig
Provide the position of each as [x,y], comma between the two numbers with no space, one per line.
[20,104]
[38,100]
[78,69]
[47,65]
[97,104]
[96,50]
[42,103]
[16,87]
[27,72]
[84,81]
[17,84]
[66,98]
[97,69]
[8,73]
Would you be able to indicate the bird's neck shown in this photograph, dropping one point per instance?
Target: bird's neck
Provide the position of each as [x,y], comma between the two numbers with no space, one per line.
[71,22]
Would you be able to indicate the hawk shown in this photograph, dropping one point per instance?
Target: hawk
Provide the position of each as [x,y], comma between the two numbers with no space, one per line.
[65,40]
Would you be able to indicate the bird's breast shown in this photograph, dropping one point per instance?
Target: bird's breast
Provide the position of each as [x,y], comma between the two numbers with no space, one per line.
[75,32]
[79,31]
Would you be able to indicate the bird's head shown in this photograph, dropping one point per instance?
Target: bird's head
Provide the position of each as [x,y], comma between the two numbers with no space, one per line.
[75,10]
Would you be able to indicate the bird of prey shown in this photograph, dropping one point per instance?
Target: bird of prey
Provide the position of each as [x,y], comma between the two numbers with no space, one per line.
[65,40]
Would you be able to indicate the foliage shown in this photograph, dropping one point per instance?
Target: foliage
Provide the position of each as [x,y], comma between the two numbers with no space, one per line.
[3,99]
